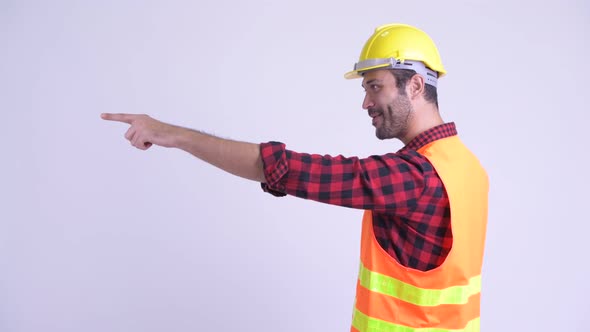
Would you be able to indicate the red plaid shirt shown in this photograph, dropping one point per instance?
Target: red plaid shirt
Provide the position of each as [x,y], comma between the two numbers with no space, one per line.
[411,213]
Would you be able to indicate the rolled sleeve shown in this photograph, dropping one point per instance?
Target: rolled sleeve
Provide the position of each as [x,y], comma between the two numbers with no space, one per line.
[276,166]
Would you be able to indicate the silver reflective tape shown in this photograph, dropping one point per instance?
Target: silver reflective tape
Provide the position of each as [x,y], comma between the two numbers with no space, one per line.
[430,76]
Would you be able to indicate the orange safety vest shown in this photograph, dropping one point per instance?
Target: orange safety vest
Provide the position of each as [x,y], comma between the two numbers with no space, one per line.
[394,298]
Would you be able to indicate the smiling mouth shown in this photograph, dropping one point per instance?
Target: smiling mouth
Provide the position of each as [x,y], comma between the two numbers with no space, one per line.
[376,117]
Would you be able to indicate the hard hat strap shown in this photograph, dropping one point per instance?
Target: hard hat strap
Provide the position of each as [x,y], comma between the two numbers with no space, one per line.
[430,76]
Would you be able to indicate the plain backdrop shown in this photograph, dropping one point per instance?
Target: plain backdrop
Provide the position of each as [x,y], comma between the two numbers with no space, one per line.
[98,236]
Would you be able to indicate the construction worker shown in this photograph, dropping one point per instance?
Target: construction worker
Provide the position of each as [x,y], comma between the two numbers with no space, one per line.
[424,224]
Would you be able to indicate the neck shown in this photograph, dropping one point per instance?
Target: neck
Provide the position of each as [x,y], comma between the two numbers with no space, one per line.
[424,118]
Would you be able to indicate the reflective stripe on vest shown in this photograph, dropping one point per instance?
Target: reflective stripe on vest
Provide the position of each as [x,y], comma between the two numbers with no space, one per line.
[364,323]
[383,284]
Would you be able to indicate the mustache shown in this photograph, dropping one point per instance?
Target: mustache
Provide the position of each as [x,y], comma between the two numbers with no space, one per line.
[374,111]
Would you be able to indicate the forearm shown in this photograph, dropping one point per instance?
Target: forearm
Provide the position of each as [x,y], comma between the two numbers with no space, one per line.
[238,158]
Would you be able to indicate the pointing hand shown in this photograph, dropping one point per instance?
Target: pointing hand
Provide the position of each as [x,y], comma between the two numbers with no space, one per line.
[144,130]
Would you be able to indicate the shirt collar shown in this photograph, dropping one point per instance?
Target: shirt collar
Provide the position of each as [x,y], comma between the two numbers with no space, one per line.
[431,135]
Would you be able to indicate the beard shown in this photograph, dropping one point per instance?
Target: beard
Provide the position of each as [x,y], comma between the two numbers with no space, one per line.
[395,118]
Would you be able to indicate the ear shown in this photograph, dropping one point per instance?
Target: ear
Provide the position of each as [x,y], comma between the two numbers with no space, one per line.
[415,86]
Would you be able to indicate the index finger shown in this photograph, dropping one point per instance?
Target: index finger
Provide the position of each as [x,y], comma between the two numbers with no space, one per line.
[121,117]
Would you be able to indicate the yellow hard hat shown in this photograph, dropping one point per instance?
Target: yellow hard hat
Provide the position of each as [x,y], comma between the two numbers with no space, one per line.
[400,46]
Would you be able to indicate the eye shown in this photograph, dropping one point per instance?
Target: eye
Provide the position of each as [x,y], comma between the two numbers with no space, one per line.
[372,87]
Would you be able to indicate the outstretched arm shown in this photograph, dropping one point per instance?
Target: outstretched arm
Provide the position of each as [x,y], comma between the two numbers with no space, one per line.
[238,158]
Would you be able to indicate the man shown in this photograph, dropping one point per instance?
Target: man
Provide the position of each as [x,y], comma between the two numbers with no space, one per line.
[425,206]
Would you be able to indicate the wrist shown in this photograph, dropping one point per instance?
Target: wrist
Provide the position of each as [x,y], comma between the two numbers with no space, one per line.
[180,137]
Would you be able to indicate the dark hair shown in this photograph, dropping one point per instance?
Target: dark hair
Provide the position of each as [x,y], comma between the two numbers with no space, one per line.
[402,76]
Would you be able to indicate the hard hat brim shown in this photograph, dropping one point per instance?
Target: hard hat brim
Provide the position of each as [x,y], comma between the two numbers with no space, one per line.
[358,73]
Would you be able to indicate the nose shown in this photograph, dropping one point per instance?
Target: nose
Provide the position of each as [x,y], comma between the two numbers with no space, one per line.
[368,102]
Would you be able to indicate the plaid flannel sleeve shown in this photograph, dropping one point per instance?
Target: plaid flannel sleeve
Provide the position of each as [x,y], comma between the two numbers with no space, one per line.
[392,182]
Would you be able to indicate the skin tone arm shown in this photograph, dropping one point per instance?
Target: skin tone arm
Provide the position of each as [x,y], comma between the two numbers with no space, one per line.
[238,158]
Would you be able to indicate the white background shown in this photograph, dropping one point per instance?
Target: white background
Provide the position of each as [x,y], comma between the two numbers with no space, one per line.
[98,236]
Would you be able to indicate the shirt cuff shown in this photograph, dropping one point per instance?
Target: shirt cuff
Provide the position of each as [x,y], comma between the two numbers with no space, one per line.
[275,167]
